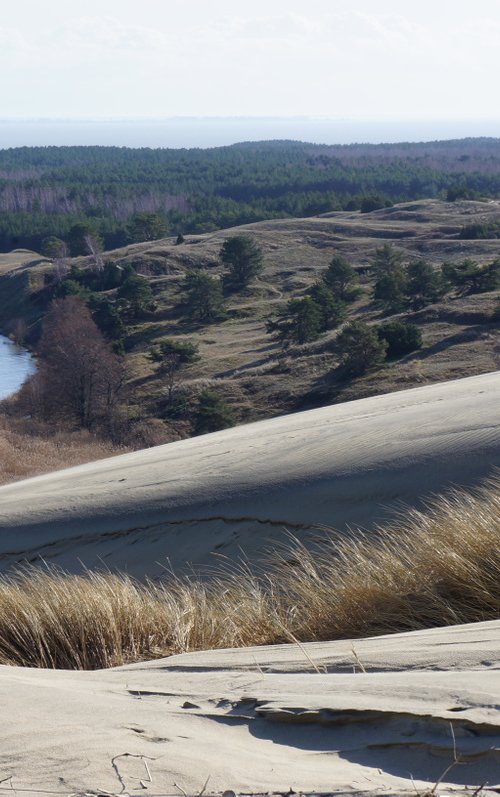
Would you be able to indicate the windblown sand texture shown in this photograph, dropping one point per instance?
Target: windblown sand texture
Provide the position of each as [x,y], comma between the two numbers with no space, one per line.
[244,489]
[375,715]
[383,715]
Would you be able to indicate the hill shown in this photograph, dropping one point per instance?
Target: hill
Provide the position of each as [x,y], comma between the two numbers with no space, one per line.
[242,490]
[250,369]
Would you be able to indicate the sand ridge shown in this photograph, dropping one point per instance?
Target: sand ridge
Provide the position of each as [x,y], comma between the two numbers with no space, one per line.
[244,488]
[263,719]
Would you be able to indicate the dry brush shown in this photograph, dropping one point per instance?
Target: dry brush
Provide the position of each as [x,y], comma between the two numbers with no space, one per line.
[431,568]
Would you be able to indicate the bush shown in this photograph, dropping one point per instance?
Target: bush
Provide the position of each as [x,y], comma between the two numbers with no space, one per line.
[456,192]
[423,284]
[469,277]
[300,321]
[341,278]
[213,413]
[333,310]
[360,348]
[137,294]
[389,292]
[485,230]
[187,351]
[204,300]
[387,260]
[374,202]
[401,338]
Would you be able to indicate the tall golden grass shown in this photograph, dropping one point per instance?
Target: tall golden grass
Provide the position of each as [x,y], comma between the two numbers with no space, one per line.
[431,568]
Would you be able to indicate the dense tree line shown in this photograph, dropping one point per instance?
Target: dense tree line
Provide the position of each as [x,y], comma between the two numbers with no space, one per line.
[142,194]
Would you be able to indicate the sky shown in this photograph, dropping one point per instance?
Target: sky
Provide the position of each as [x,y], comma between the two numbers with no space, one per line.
[356,59]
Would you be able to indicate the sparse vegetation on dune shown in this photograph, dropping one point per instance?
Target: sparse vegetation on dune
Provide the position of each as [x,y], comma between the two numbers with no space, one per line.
[432,568]
[405,265]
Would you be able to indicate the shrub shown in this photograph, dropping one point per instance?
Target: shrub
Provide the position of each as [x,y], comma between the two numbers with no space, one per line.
[360,348]
[137,295]
[389,292]
[484,230]
[456,192]
[300,321]
[341,278]
[203,297]
[423,284]
[401,338]
[187,350]
[374,202]
[387,260]
[333,310]
[469,277]
[213,413]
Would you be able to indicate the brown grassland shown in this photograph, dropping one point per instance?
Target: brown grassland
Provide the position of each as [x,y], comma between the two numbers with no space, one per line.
[28,450]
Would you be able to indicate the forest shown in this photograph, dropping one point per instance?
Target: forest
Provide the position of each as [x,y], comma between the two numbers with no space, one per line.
[125,195]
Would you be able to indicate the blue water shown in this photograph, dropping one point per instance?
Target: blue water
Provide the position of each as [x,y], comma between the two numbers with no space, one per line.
[213,132]
[16,364]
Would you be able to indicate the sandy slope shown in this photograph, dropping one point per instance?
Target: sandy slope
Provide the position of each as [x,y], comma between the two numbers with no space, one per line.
[262,719]
[242,488]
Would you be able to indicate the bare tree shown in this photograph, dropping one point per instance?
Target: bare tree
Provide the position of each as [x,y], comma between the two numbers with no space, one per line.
[94,248]
[61,265]
[77,368]
[169,371]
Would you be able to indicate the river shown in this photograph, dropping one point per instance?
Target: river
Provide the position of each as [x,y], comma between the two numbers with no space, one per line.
[16,364]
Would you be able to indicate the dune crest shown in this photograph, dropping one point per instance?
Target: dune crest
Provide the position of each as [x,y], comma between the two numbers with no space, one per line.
[240,489]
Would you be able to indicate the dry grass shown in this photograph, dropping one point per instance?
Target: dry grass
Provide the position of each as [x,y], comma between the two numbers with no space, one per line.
[435,568]
[28,452]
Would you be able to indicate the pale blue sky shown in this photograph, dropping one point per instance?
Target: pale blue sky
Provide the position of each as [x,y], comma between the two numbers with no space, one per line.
[389,59]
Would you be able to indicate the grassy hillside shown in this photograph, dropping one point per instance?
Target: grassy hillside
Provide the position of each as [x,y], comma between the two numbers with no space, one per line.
[250,369]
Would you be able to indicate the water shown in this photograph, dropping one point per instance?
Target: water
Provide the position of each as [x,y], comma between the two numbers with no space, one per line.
[219,131]
[16,364]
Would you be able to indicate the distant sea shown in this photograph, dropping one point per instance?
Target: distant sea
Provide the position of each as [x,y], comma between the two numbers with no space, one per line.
[219,131]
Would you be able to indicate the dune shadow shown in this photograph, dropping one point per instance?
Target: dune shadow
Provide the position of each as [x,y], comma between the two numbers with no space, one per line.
[403,746]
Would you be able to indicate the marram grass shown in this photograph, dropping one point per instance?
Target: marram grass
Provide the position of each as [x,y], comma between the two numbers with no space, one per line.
[431,568]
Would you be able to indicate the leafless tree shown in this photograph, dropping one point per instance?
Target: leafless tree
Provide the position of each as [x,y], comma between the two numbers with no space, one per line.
[169,371]
[79,378]
[61,266]
[94,248]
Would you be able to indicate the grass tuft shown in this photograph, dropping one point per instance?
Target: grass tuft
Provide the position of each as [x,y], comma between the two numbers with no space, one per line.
[432,568]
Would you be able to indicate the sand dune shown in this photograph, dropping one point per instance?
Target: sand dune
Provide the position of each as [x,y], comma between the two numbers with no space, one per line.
[382,715]
[263,719]
[243,488]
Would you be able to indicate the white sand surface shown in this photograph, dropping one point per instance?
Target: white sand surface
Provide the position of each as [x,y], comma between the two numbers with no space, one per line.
[263,719]
[240,489]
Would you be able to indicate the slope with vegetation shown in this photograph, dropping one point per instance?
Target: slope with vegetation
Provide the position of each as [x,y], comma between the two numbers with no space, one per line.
[260,320]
